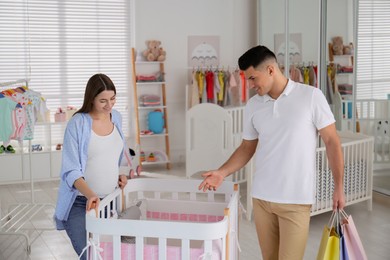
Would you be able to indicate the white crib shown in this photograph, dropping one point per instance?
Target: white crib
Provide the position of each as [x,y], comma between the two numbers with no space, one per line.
[178,222]
[358,168]
[373,119]
[224,127]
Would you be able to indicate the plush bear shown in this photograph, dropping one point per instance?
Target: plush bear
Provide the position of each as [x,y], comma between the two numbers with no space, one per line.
[338,46]
[154,52]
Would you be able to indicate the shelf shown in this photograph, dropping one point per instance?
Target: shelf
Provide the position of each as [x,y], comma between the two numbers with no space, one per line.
[159,86]
[150,107]
[149,62]
[153,135]
[150,83]
[157,162]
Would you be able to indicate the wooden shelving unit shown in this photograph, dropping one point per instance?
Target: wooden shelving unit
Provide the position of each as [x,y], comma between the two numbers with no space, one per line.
[141,112]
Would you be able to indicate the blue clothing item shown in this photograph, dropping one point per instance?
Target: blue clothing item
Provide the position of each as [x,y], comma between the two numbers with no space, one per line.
[75,226]
[74,159]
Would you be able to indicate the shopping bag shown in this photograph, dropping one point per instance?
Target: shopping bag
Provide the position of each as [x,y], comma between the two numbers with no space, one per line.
[330,241]
[343,247]
[352,240]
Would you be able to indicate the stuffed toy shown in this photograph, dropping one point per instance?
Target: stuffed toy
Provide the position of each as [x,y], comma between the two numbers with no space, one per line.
[154,52]
[338,46]
[348,49]
[132,212]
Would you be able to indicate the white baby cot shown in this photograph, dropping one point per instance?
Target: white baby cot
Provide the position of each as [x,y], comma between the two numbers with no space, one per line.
[358,168]
[373,119]
[224,127]
[178,222]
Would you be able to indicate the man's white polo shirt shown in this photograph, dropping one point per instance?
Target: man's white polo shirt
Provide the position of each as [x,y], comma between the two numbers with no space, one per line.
[287,132]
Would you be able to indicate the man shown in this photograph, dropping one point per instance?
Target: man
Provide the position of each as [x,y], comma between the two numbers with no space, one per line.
[282,121]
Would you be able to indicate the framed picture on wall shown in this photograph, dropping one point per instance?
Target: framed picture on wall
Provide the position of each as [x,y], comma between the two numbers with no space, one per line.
[203,51]
[295,46]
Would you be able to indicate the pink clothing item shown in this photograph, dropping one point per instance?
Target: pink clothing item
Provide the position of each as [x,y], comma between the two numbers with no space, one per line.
[295,74]
[19,116]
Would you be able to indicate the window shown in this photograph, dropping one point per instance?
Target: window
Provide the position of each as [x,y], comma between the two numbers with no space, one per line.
[60,44]
[373,67]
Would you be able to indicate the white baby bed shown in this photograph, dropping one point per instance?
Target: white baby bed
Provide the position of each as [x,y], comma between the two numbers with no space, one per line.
[167,238]
[358,168]
[224,127]
[373,117]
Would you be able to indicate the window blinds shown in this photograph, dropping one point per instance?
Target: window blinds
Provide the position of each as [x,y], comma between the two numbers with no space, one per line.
[60,44]
[373,63]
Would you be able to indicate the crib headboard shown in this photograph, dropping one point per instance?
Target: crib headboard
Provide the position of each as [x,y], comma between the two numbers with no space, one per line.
[208,138]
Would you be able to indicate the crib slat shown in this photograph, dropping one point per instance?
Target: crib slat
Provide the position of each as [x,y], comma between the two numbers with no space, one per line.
[139,245]
[208,248]
[116,240]
[162,248]
[185,249]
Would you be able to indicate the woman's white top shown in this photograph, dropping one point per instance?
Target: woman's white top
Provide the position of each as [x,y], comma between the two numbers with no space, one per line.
[102,171]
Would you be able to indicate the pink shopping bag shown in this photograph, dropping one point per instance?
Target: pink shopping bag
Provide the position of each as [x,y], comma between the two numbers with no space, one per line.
[352,240]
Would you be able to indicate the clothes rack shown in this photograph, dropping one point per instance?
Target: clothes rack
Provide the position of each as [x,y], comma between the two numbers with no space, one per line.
[20,217]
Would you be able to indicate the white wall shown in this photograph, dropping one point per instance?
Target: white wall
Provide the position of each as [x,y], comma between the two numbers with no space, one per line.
[171,22]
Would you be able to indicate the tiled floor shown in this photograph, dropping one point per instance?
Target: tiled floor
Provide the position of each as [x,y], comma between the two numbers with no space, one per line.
[373,226]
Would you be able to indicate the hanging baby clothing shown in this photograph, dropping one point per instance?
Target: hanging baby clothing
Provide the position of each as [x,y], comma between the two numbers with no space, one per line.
[7,106]
[210,86]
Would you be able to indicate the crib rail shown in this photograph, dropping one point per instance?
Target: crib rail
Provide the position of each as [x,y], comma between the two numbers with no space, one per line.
[373,116]
[100,224]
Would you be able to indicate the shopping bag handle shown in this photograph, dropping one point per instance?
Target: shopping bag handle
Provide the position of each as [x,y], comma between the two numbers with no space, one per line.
[344,214]
[332,219]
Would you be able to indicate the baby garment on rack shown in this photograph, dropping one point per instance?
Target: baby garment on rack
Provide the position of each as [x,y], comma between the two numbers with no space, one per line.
[33,107]
[210,86]
[194,91]
[295,74]
[312,76]
[221,83]
[6,128]
[226,98]
[243,87]
[235,88]
[306,75]
[217,87]
[201,85]
[19,116]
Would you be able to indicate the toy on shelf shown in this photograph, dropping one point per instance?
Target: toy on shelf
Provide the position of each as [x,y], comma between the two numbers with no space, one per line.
[154,51]
[60,115]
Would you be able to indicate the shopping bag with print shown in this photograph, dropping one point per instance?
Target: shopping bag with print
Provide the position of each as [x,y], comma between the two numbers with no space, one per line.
[352,239]
[330,241]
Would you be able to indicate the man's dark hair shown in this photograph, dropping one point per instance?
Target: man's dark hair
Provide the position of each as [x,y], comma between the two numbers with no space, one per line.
[255,56]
